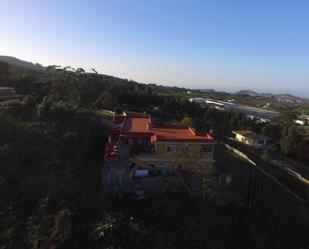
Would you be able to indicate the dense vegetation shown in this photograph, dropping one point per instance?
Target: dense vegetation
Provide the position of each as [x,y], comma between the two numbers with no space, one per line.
[288,138]
[51,156]
[51,152]
[94,91]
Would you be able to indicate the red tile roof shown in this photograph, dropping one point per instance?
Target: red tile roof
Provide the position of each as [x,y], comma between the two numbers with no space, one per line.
[251,134]
[178,134]
[133,125]
[142,125]
[136,125]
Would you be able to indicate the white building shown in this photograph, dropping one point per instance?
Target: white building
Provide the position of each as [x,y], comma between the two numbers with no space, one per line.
[251,138]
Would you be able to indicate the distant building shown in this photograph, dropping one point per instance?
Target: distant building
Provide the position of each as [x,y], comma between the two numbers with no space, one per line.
[257,119]
[251,138]
[305,116]
[200,101]
[220,105]
[9,93]
[302,120]
[230,106]
[215,104]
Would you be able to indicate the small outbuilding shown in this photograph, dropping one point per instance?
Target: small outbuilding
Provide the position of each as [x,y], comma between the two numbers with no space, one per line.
[9,94]
[251,138]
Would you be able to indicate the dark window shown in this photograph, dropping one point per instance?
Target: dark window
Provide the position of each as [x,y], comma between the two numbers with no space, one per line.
[185,149]
[171,148]
[206,148]
[146,144]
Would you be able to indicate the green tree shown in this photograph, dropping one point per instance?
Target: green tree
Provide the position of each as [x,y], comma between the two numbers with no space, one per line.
[187,121]
[106,101]
[118,110]
[273,131]
[5,74]
[302,151]
[29,101]
[43,109]
[289,142]
[286,118]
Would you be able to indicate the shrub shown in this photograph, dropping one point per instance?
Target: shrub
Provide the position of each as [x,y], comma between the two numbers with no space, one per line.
[43,109]
[63,111]
[29,101]
[118,110]
[187,121]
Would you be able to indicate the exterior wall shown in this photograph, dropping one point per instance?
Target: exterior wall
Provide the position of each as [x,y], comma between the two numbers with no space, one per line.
[252,142]
[244,139]
[7,91]
[137,144]
[259,143]
[8,94]
[187,159]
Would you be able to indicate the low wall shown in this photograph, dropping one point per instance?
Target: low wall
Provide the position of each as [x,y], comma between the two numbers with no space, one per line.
[285,212]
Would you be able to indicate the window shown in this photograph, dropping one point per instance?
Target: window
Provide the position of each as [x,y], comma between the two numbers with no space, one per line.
[171,148]
[140,141]
[199,165]
[206,148]
[146,144]
[130,141]
[185,148]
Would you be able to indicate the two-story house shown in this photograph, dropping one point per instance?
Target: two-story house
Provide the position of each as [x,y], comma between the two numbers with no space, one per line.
[136,135]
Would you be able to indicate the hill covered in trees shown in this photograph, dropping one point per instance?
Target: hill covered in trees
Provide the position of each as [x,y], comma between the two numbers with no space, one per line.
[51,151]
[13,61]
[51,157]
[93,91]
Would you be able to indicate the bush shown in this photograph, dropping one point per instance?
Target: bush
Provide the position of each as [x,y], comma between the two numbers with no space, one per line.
[106,101]
[63,111]
[71,137]
[13,109]
[118,110]
[186,121]
[43,109]
[29,101]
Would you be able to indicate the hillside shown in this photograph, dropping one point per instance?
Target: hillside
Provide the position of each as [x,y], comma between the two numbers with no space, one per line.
[277,102]
[51,151]
[49,172]
[21,63]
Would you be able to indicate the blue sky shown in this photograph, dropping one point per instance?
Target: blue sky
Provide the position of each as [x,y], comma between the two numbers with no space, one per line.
[227,45]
